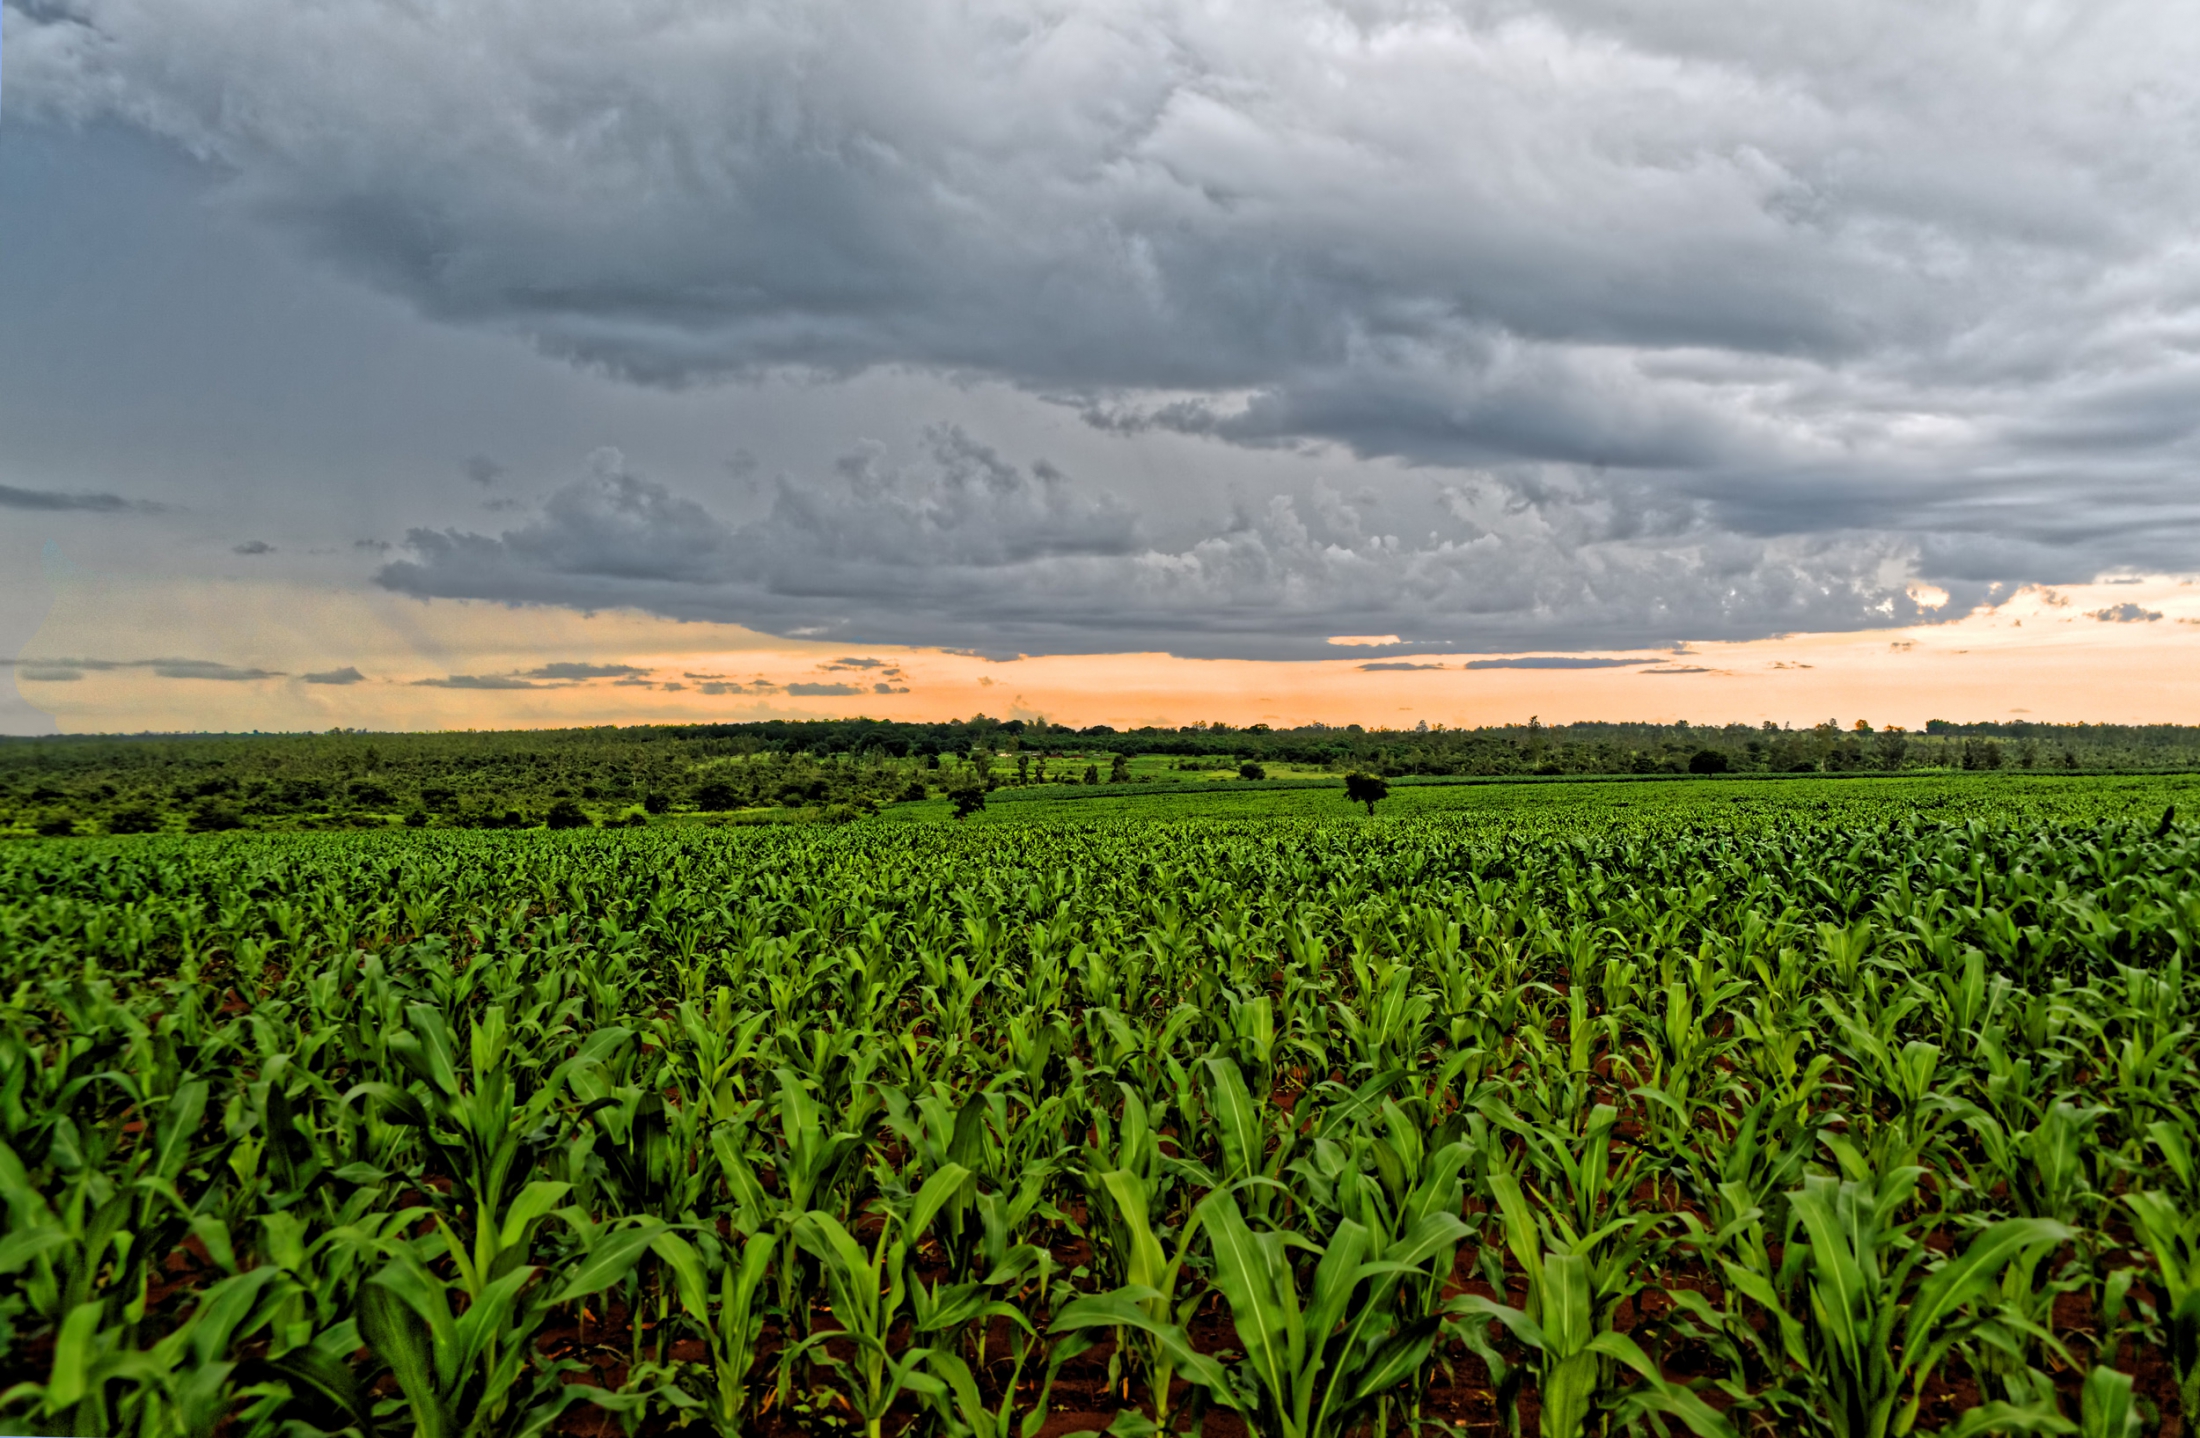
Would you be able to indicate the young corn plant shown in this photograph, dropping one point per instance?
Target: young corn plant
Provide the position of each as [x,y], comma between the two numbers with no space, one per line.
[465,1370]
[867,1292]
[1144,1314]
[731,1326]
[2172,1235]
[1576,1276]
[1319,1365]
[1862,1319]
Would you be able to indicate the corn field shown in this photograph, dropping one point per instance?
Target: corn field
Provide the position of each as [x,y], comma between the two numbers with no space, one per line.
[1858,1121]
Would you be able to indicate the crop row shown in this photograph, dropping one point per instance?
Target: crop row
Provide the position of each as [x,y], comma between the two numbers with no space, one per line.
[1859,1124]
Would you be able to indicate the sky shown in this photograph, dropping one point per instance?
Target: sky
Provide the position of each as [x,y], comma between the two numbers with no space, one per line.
[486,364]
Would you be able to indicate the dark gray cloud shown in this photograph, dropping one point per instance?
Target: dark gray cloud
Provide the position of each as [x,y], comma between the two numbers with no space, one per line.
[252,546]
[481,681]
[1553,661]
[52,500]
[1699,322]
[883,687]
[586,671]
[822,691]
[2126,613]
[345,675]
[60,670]
[1398,664]
[207,669]
[483,470]
[961,542]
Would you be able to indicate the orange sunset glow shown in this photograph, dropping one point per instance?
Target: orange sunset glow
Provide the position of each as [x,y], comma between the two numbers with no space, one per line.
[2049,655]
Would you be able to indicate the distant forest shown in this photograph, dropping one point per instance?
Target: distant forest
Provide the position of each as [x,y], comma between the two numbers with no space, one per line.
[842,768]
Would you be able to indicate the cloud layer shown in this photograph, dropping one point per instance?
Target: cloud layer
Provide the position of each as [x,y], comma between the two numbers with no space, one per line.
[60,501]
[959,543]
[68,670]
[1706,322]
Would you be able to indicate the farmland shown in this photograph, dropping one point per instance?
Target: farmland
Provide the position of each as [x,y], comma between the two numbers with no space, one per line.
[839,770]
[1841,1106]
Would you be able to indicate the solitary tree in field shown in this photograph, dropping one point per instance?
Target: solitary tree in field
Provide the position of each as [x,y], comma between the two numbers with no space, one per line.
[1365,789]
[968,799]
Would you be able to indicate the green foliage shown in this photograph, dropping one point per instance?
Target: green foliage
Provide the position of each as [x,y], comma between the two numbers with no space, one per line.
[1625,1110]
[565,814]
[836,768]
[1366,789]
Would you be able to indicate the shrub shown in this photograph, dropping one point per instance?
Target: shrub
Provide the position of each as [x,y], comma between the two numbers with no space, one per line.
[212,817]
[656,803]
[565,814]
[417,819]
[1250,770]
[57,826]
[134,819]
[716,796]
[1707,761]
[915,792]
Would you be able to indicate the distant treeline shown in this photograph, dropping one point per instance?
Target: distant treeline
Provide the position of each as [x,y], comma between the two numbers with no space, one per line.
[844,767]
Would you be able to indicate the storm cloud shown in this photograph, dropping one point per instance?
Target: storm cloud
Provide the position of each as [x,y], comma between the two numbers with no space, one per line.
[960,543]
[58,501]
[1676,321]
